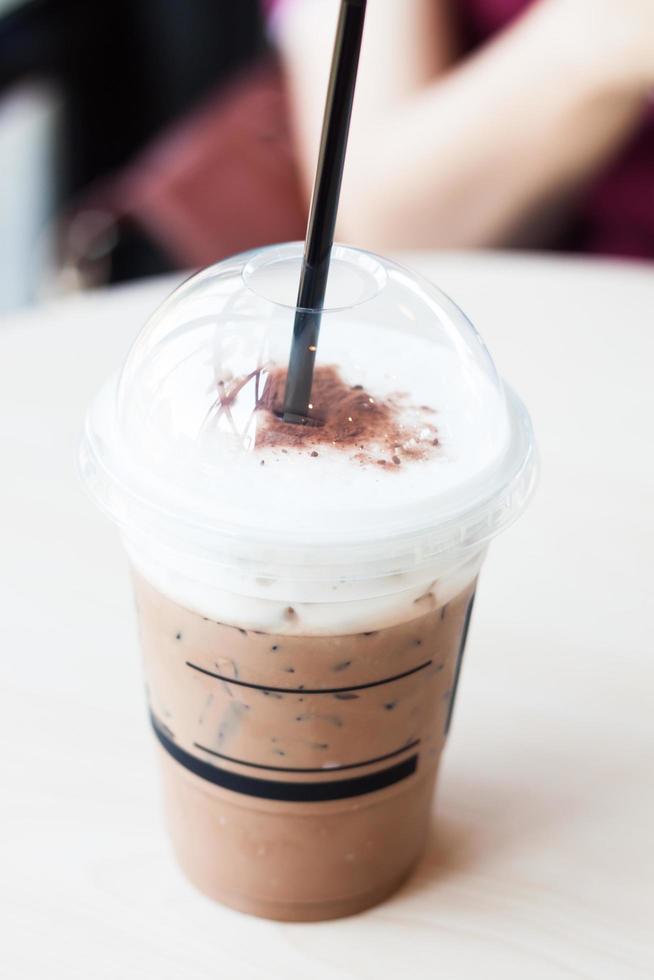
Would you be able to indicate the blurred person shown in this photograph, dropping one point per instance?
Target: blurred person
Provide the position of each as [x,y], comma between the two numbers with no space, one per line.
[487,122]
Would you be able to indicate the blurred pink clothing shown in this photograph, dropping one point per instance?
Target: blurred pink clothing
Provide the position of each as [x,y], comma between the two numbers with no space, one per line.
[614,214]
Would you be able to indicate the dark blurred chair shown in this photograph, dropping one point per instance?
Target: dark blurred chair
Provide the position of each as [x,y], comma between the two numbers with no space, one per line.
[130,71]
[220,181]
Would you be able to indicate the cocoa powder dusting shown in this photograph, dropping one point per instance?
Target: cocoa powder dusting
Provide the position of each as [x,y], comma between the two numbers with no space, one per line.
[347,417]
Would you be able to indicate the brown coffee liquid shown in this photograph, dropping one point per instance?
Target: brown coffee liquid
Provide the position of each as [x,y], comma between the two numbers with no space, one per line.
[299,770]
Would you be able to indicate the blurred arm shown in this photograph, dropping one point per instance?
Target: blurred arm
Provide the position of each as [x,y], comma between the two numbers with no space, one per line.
[485,152]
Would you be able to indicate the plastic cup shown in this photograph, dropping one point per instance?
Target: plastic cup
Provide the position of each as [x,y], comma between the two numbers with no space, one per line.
[303,600]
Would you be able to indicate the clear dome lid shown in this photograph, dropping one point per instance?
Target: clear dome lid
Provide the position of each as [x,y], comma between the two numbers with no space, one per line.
[415,447]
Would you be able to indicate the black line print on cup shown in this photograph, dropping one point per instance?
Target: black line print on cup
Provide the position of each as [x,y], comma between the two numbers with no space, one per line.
[289,792]
[318,690]
[459,661]
[320,769]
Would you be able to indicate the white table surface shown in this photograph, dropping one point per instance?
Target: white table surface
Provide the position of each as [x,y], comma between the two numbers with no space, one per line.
[540,862]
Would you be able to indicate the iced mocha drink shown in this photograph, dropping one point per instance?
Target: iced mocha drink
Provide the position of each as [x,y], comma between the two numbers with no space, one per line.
[304,592]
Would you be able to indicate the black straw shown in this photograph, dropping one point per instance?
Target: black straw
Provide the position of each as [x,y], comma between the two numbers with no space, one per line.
[324,207]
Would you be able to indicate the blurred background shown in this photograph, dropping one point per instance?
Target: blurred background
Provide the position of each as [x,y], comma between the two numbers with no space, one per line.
[120,121]
[142,136]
